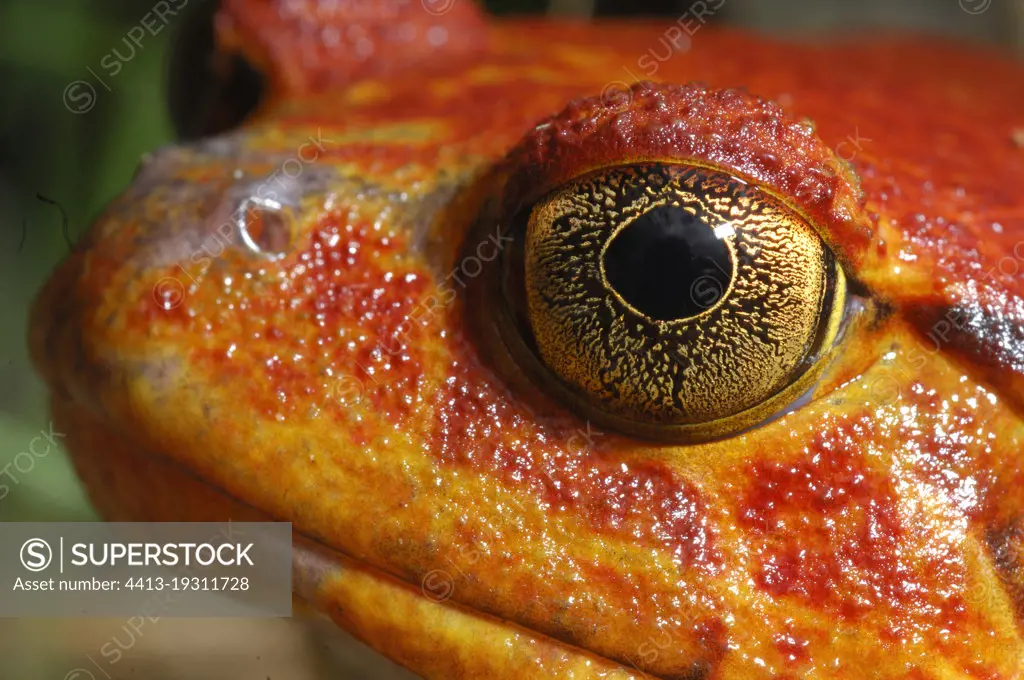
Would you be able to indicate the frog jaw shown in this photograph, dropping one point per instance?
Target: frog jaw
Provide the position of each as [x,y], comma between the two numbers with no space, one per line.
[419,628]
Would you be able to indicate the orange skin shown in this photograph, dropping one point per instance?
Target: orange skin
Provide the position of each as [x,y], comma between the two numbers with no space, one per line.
[452,515]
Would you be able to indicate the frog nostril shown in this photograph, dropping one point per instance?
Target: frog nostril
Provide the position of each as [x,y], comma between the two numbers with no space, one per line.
[265,226]
[207,91]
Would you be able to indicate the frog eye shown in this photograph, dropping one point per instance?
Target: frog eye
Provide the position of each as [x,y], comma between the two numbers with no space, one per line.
[675,295]
[673,299]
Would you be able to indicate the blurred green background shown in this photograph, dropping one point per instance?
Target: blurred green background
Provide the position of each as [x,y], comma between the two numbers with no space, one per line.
[79,160]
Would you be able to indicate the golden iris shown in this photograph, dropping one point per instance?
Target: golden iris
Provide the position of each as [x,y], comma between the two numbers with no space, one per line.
[675,300]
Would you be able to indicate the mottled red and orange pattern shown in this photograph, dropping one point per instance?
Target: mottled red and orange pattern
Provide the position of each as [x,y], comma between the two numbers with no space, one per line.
[322,367]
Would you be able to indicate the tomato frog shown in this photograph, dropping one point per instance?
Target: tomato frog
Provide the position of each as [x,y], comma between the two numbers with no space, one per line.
[589,350]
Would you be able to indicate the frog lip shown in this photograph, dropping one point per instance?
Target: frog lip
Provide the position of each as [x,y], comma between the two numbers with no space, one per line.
[396,614]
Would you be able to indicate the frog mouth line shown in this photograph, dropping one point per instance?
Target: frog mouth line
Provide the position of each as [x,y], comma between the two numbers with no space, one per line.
[141,486]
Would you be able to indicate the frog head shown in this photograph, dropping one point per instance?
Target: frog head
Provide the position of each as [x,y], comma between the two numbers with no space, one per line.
[581,350]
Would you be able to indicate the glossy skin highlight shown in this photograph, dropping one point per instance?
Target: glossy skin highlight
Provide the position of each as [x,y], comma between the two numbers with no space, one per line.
[339,374]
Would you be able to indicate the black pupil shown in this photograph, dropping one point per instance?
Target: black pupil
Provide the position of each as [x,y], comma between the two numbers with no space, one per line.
[668,264]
